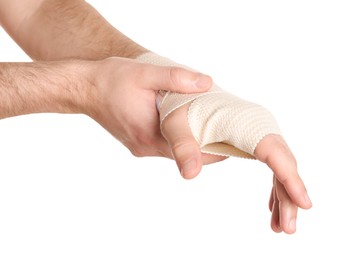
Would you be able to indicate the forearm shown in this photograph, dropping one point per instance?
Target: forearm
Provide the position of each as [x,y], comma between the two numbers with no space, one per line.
[65,29]
[43,87]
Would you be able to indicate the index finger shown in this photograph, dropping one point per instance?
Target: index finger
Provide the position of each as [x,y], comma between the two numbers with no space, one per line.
[273,151]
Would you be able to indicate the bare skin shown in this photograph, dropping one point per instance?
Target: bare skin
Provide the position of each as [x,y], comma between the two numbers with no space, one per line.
[98,89]
[72,29]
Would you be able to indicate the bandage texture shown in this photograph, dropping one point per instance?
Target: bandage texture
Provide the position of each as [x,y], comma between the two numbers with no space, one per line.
[222,123]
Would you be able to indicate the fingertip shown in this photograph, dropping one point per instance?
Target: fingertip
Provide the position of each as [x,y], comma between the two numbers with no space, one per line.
[307,203]
[276,228]
[289,227]
[190,169]
[187,81]
[203,81]
[300,197]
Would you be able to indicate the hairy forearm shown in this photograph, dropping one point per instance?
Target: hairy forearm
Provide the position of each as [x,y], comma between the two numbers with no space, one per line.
[66,29]
[43,87]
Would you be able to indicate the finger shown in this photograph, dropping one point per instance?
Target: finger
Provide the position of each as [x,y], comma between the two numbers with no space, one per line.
[272,195]
[177,79]
[274,207]
[287,210]
[273,151]
[206,158]
[184,147]
[275,224]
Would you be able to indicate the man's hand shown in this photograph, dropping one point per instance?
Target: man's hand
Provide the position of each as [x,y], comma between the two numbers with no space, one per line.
[288,192]
[185,148]
[125,103]
[118,93]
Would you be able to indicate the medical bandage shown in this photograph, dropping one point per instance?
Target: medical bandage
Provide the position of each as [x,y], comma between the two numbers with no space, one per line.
[221,123]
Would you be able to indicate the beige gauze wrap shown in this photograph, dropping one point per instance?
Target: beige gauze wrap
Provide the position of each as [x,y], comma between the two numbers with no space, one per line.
[221,123]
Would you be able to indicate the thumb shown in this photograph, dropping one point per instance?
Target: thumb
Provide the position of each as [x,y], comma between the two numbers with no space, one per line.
[179,80]
[185,149]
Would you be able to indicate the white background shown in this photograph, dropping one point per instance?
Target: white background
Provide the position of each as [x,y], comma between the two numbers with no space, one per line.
[69,190]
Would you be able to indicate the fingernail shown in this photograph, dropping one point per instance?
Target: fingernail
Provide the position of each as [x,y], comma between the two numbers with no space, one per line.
[307,200]
[188,167]
[203,81]
[292,225]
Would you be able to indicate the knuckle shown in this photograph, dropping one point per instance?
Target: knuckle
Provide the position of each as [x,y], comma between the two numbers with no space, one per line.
[138,152]
[144,147]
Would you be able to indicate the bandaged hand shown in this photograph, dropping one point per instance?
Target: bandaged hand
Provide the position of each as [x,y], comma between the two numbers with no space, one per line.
[208,127]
